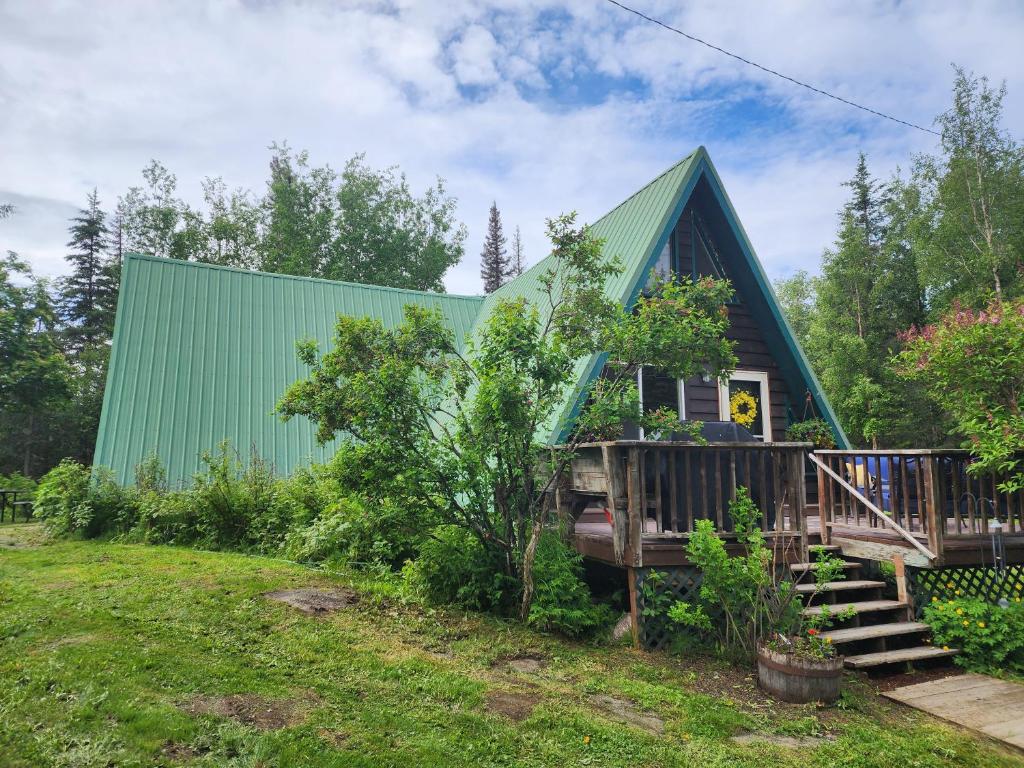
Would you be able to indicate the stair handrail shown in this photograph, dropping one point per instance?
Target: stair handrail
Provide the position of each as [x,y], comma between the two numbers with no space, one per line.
[867,503]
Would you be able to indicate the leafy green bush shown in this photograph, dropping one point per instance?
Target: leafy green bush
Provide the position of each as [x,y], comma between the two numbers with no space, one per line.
[972,362]
[454,568]
[239,506]
[562,601]
[990,637]
[71,500]
[743,602]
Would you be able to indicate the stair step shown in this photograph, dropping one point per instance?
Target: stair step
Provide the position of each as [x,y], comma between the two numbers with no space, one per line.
[801,567]
[865,606]
[840,586]
[892,657]
[878,630]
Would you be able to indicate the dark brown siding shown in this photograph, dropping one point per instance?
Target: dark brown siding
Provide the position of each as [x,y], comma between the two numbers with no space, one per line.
[753,353]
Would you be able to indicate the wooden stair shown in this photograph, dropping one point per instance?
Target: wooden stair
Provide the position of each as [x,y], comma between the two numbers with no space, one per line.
[880,631]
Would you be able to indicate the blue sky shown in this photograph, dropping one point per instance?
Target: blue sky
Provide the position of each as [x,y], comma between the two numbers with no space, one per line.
[541,106]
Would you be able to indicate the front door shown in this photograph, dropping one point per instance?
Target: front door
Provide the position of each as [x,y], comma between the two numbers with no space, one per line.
[745,399]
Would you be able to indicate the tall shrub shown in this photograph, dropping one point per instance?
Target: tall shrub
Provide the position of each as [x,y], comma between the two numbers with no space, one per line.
[460,431]
[972,364]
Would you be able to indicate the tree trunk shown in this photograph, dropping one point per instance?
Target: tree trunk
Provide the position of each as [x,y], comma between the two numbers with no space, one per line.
[27,466]
[528,558]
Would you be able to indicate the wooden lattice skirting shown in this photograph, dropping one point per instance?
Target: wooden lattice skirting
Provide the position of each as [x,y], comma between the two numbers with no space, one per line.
[972,581]
[676,583]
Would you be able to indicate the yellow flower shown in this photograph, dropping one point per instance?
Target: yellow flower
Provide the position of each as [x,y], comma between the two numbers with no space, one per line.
[945,647]
[586,739]
[941,606]
[958,592]
[951,585]
[1016,599]
[935,599]
[959,611]
[828,639]
[967,623]
[981,624]
[1017,587]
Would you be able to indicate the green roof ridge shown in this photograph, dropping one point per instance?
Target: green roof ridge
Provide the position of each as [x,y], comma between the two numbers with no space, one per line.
[285,276]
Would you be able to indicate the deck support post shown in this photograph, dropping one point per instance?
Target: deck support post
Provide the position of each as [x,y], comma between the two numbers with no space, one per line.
[615,485]
[825,510]
[799,508]
[933,503]
[637,511]
[901,578]
[634,613]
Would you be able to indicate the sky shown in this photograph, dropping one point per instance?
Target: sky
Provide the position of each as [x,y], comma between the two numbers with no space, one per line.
[543,107]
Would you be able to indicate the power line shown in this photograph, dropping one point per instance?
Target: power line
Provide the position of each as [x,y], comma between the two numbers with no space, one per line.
[754,64]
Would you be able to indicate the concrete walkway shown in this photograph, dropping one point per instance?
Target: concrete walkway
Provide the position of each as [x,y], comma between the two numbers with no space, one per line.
[983,704]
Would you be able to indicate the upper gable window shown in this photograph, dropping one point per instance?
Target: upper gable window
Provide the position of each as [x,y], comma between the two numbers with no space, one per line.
[662,267]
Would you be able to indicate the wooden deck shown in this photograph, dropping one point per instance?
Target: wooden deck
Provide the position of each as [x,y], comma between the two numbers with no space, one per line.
[983,704]
[634,503]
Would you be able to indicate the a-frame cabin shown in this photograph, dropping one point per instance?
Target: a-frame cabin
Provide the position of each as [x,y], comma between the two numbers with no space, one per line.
[201,354]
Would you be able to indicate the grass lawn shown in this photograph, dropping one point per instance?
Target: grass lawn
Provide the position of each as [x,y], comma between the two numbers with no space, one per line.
[116,655]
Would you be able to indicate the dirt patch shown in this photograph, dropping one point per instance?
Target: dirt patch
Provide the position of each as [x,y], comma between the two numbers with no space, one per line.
[528,665]
[72,640]
[792,742]
[334,738]
[181,753]
[314,601]
[891,682]
[515,705]
[250,709]
[625,711]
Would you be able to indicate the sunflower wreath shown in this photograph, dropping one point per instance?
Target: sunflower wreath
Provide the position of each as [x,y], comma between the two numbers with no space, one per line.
[743,408]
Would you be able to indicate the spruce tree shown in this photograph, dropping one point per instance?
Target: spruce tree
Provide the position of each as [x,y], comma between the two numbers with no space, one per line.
[85,295]
[516,265]
[493,260]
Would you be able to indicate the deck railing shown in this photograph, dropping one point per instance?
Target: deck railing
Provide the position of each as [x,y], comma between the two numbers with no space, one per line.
[927,493]
[661,489]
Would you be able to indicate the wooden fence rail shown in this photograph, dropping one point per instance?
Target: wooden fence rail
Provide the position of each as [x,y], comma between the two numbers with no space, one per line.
[661,489]
[928,493]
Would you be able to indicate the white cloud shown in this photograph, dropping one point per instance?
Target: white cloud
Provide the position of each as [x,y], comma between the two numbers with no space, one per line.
[473,55]
[504,101]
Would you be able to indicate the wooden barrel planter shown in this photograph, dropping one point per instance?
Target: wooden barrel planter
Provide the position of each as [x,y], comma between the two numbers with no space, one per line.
[797,679]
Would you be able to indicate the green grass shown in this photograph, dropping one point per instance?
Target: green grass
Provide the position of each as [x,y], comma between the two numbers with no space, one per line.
[102,647]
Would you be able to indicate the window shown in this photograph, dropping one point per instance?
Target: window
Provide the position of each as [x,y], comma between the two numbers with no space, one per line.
[663,266]
[659,391]
[754,383]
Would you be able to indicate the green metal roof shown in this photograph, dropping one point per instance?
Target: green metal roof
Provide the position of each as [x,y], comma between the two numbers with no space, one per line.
[203,353]
[634,231]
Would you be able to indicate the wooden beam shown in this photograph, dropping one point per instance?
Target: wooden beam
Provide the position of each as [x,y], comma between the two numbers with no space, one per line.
[635,512]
